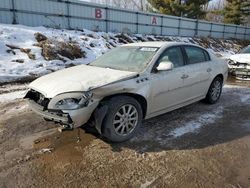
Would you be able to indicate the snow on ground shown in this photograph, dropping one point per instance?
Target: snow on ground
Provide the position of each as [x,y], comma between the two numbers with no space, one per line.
[243,94]
[21,53]
[208,118]
[173,127]
[9,97]
[195,125]
[23,37]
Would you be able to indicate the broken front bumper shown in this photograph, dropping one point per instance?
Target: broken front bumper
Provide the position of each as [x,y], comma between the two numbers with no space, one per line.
[72,118]
[240,70]
[56,116]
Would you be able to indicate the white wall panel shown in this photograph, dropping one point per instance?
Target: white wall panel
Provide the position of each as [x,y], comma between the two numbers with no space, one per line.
[170,31]
[202,33]
[122,27]
[44,6]
[188,24]
[217,34]
[97,17]
[96,25]
[41,20]
[122,16]
[204,26]
[170,22]
[6,17]
[6,4]
[187,32]
[149,30]
[218,27]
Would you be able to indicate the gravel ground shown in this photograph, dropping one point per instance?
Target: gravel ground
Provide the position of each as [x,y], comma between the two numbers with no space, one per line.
[197,146]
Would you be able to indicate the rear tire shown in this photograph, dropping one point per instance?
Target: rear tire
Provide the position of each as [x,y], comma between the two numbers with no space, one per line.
[123,119]
[214,91]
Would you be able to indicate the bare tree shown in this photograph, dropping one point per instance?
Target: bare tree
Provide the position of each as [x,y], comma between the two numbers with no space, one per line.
[214,11]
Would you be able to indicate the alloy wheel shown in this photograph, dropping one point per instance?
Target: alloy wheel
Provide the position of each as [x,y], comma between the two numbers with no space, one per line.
[125,119]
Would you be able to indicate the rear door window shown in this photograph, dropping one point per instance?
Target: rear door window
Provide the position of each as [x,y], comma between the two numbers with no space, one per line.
[196,55]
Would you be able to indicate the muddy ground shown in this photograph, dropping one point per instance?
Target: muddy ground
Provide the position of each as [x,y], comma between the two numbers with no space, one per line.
[197,146]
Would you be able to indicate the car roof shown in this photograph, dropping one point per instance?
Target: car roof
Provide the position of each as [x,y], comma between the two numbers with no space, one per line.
[157,44]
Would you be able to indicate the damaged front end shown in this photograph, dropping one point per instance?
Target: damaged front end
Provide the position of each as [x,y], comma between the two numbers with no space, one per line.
[240,70]
[70,110]
[39,104]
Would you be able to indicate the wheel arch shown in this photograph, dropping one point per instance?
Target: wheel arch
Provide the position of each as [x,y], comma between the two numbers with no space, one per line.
[219,76]
[141,99]
[207,100]
[101,110]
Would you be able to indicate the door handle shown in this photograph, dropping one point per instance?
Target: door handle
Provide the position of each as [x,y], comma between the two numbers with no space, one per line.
[209,70]
[184,76]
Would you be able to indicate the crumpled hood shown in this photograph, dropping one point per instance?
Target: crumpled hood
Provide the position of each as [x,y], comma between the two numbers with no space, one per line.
[78,78]
[241,58]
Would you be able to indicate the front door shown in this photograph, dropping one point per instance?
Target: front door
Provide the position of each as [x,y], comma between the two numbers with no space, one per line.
[167,87]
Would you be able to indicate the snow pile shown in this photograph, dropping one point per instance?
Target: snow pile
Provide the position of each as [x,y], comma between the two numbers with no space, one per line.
[29,52]
[21,55]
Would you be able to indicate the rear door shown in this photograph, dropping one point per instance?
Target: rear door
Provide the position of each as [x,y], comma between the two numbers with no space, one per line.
[197,72]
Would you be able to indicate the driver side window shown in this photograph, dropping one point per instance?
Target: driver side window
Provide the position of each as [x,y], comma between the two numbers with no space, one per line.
[173,55]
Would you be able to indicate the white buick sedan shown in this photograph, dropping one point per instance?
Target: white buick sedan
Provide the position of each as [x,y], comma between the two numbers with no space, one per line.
[128,84]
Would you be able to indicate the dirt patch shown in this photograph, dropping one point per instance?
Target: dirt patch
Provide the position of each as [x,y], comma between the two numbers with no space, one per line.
[124,38]
[18,60]
[24,50]
[52,50]
[28,52]
[22,80]
[13,47]
[40,37]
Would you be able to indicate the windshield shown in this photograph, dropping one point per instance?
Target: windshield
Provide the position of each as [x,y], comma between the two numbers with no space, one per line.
[245,50]
[134,59]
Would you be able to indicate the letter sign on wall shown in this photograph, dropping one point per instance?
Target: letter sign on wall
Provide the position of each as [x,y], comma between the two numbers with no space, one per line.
[154,20]
[99,13]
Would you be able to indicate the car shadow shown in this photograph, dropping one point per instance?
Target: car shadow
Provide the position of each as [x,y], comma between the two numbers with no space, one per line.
[194,127]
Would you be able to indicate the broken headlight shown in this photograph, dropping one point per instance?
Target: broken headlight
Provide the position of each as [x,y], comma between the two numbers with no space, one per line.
[70,101]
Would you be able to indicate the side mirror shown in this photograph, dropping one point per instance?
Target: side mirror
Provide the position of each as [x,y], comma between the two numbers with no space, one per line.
[165,66]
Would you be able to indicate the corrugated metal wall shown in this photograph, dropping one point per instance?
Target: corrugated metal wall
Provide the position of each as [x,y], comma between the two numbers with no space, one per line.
[75,14]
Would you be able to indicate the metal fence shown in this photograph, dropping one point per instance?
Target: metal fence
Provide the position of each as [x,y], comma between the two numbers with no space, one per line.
[74,14]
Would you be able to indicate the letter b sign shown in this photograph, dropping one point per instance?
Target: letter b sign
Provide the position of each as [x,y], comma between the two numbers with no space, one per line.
[98,13]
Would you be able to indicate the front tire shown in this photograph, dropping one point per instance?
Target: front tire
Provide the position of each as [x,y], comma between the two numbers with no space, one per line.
[214,91]
[123,119]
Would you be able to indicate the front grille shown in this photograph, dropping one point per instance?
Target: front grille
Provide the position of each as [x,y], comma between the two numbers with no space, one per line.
[38,98]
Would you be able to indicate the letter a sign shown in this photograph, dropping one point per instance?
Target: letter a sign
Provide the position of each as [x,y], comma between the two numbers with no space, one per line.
[154,20]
